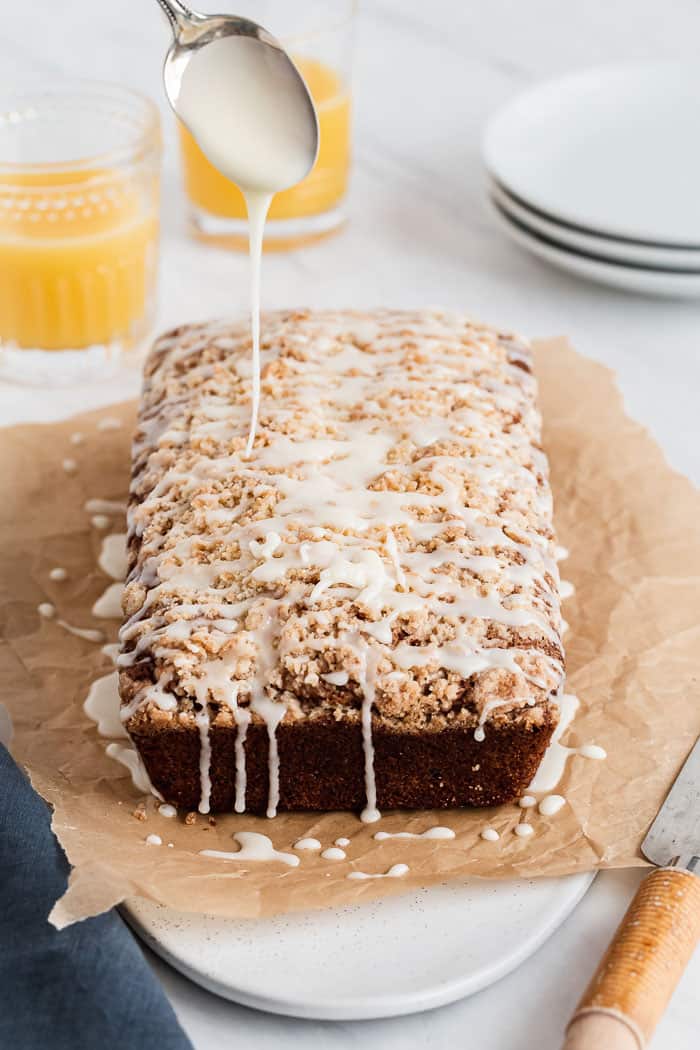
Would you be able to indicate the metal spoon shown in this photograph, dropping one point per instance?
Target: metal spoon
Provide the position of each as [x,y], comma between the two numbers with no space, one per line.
[192,31]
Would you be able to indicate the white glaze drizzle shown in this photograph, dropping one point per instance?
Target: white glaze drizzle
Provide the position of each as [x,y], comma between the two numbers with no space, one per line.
[100,521]
[527,802]
[89,634]
[254,847]
[111,651]
[594,751]
[242,722]
[131,759]
[109,605]
[48,612]
[334,853]
[523,830]
[153,840]
[102,706]
[490,835]
[257,206]
[566,589]
[557,754]
[113,558]
[367,678]
[307,844]
[437,832]
[551,804]
[105,506]
[336,677]
[396,871]
[391,580]
[77,438]
[202,721]
[342,842]
[58,575]
[70,466]
[167,811]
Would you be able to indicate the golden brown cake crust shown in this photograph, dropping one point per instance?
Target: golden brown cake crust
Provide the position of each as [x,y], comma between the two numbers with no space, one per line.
[380,572]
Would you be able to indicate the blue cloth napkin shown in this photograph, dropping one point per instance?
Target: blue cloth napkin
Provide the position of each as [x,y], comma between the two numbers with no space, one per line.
[87,987]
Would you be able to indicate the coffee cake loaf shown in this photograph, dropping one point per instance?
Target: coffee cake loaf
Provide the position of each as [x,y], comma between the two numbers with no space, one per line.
[364,612]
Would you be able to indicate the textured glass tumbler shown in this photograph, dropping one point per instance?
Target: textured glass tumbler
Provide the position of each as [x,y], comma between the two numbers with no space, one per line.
[79,198]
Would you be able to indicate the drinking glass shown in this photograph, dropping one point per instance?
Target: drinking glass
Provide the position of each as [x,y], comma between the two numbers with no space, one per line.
[79,193]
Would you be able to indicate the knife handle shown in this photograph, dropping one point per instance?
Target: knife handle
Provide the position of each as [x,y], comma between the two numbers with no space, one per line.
[643,964]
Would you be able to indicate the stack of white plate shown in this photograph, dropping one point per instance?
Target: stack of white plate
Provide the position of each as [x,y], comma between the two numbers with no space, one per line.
[599,174]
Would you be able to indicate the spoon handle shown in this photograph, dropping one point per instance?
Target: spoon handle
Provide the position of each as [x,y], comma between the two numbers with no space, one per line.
[174,11]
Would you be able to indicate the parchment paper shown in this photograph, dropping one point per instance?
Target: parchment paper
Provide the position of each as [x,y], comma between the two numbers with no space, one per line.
[631,524]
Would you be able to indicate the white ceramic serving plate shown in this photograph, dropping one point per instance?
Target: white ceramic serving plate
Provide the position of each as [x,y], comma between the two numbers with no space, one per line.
[642,280]
[605,248]
[396,956]
[615,151]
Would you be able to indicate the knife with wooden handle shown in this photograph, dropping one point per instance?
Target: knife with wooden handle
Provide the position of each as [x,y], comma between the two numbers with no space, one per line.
[654,942]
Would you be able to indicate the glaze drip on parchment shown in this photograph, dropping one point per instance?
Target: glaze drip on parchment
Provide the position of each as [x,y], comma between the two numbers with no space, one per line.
[252,847]
[385,553]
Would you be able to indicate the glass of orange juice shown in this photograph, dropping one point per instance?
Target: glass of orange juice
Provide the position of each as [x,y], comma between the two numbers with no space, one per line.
[79,193]
[318,36]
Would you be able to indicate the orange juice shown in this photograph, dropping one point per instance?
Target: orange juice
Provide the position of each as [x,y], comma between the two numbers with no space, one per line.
[319,192]
[77,258]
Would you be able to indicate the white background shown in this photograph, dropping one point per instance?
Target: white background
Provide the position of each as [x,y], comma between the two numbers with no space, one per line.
[427,75]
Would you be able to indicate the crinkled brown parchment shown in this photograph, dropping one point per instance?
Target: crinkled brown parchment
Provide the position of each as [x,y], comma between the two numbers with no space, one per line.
[633,656]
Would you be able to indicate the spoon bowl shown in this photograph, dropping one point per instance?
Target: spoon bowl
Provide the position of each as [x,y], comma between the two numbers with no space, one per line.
[241,57]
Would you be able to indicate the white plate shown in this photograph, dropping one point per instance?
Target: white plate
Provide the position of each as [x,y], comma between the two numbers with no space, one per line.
[395,956]
[605,248]
[614,151]
[632,279]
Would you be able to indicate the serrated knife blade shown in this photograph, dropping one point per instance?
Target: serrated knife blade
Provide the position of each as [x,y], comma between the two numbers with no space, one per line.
[674,837]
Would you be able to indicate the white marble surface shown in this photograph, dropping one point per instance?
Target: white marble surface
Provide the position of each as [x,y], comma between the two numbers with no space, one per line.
[427,76]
